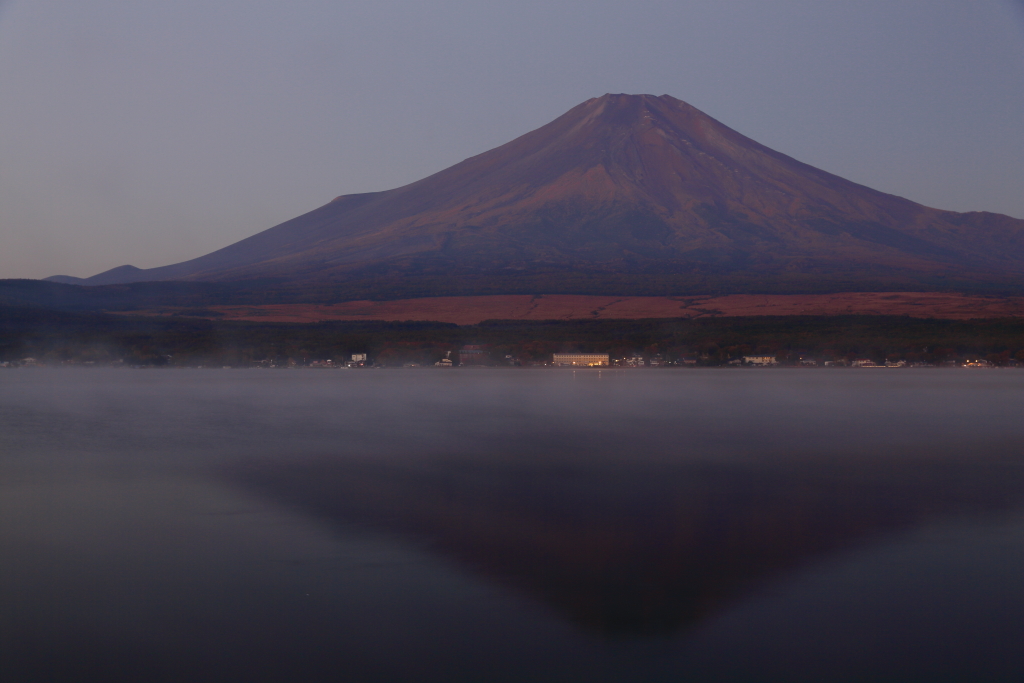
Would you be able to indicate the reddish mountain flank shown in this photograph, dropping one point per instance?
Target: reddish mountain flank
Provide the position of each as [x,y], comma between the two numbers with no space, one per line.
[627,195]
[472,310]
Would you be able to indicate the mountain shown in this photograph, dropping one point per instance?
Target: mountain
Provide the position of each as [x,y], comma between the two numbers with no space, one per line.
[623,194]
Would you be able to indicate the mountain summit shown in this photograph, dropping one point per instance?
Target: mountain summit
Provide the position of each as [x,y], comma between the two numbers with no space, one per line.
[623,194]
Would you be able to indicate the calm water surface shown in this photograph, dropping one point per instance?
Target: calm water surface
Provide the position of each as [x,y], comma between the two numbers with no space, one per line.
[473,525]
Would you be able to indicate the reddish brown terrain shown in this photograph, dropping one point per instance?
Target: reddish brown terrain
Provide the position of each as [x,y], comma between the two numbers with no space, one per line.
[622,195]
[474,309]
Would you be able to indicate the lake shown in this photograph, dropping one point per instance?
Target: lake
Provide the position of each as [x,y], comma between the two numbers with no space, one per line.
[511,525]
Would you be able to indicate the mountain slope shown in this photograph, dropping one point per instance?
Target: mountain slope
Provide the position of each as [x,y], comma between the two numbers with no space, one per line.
[622,194]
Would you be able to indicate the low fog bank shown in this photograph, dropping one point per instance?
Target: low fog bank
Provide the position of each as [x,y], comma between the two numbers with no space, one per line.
[586,416]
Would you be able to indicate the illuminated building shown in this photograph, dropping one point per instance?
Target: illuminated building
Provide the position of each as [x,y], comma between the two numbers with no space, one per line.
[581,359]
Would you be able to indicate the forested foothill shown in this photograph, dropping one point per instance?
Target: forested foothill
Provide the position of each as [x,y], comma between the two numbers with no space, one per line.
[56,338]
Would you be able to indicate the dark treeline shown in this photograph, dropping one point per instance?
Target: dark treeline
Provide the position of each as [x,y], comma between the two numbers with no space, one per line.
[385,285]
[54,337]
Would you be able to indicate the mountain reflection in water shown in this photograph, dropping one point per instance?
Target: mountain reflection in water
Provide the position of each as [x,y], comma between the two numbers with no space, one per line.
[511,525]
[639,549]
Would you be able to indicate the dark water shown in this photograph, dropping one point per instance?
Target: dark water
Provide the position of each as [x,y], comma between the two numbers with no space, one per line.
[511,525]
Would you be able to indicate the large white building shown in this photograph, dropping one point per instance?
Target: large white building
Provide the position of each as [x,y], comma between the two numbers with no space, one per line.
[581,359]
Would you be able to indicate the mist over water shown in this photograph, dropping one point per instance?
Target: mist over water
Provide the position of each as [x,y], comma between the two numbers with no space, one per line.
[466,525]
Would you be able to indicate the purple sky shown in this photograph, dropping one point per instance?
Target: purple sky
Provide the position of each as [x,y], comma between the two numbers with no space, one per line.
[145,132]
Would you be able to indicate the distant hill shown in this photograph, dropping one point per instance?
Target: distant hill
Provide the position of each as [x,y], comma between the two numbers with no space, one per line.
[623,194]
[114,276]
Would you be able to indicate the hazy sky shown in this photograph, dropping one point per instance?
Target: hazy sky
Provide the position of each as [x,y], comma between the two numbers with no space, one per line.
[146,132]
